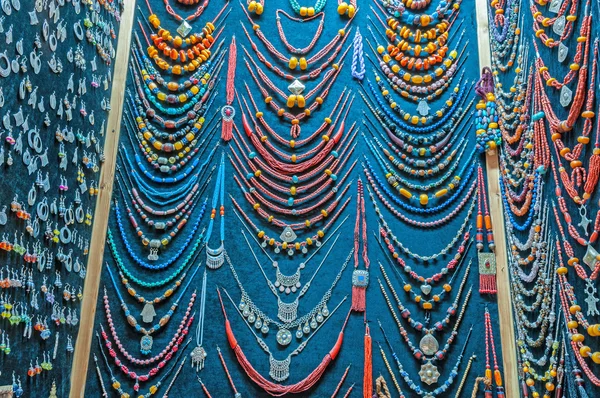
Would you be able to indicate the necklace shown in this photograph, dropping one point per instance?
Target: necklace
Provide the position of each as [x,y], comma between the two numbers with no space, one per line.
[489,346]
[290,283]
[117,385]
[487,260]
[198,354]
[288,241]
[292,49]
[214,257]
[401,15]
[426,369]
[279,370]
[288,312]
[360,278]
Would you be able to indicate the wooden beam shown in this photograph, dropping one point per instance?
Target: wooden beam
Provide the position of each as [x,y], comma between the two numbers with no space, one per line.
[505,314]
[105,186]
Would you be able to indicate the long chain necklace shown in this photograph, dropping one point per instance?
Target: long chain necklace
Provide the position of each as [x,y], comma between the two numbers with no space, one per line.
[198,354]
[280,369]
[214,257]
[489,346]
[360,278]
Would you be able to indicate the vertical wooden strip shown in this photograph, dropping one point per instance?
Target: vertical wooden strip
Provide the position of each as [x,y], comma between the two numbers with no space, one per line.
[111,146]
[506,321]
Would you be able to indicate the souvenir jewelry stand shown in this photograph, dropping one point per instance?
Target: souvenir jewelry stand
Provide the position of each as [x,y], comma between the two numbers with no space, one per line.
[506,321]
[92,283]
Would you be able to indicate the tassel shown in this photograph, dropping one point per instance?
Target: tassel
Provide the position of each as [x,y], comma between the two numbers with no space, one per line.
[359,299]
[368,369]
[487,273]
[228,111]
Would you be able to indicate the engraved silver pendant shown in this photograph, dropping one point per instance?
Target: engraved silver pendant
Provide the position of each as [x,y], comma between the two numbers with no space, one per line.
[288,235]
[590,257]
[284,337]
[591,299]
[146,344]
[429,374]
[562,52]
[566,96]
[555,6]
[198,355]
[429,345]
[559,25]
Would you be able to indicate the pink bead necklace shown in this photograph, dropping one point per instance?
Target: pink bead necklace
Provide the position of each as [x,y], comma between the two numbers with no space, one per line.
[284,40]
[293,62]
[294,190]
[284,177]
[313,74]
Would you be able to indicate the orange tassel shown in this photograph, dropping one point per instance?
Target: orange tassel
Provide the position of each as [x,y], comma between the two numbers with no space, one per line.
[368,370]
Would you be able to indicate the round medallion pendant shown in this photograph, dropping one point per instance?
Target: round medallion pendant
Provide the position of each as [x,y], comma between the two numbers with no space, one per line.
[284,337]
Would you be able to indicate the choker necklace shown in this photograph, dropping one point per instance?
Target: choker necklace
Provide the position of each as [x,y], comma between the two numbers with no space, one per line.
[214,257]
[280,370]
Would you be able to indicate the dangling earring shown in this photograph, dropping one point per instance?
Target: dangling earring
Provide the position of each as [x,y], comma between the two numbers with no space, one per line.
[69,344]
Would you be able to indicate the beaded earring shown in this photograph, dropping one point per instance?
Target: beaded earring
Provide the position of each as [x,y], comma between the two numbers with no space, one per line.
[69,344]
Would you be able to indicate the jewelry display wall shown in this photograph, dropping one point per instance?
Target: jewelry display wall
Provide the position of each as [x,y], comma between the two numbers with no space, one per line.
[327,270]
[546,78]
[55,86]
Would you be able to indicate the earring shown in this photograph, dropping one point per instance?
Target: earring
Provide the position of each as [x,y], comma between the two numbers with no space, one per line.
[70,344]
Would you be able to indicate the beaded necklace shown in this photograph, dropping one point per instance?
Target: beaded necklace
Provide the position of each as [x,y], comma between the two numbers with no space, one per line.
[254,187]
[401,15]
[423,297]
[292,49]
[360,278]
[435,278]
[290,283]
[279,369]
[287,312]
[428,370]
[506,41]
[116,384]
[413,144]
[156,283]
[292,62]
[391,173]
[489,346]
[290,242]
[424,198]
[214,257]
[417,223]
[154,244]
[295,190]
[561,25]
[425,156]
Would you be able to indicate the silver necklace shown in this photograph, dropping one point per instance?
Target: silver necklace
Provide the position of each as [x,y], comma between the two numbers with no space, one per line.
[198,354]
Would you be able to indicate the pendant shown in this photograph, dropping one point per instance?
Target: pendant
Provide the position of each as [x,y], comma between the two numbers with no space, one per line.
[585,222]
[146,344]
[153,256]
[287,312]
[591,257]
[423,108]
[284,337]
[296,87]
[429,345]
[559,25]
[562,52]
[215,257]
[426,289]
[591,300]
[566,95]
[555,6]
[148,313]
[288,283]
[279,370]
[429,373]
[360,278]
[198,356]
[288,235]
[184,29]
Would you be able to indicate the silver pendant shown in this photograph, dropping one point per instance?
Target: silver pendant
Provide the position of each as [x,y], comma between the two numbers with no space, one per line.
[590,299]
[423,108]
[215,257]
[591,257]
[562,52]
[287,312]
[585,222]
[426,289]
[429,373]
[566,95]
[288,283]
[288,235]
[148,313]
[555,6]
[184,29]
[559,25]
[3,216]
[198,355]
[284,337]
[429,345]
[296,87]
[279,370]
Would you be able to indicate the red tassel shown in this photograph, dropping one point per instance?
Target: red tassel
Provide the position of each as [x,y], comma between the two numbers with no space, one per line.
[228,112]
[359,300]
[368,370]
[487,284]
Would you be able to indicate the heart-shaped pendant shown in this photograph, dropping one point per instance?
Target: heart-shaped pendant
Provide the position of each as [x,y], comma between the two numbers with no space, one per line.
[426,289]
